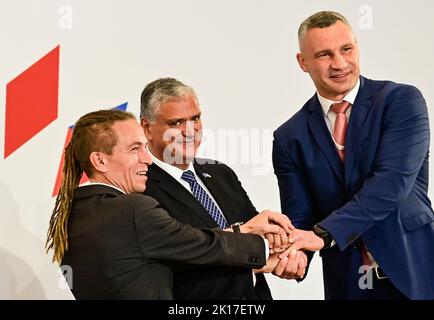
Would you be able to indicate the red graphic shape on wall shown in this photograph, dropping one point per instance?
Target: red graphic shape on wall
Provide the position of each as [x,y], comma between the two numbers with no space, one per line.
[84,178]
[31,101]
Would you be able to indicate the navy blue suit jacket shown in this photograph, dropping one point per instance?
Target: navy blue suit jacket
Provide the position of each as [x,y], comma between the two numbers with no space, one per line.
[379,194]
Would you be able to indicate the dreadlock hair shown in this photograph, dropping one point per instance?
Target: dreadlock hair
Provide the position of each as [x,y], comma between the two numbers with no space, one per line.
[92,133]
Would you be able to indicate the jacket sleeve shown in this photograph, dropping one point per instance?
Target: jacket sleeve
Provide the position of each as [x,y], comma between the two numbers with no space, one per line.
[248,205]
[163,238]
[294,193]
[402,149]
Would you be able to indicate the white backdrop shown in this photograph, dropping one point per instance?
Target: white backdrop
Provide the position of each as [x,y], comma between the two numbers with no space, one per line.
[238,55]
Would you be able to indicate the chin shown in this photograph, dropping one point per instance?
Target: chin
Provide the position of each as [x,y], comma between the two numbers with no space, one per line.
[189,157]
[139,188]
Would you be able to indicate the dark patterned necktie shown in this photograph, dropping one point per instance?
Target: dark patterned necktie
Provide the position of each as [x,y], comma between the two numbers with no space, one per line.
[205,199]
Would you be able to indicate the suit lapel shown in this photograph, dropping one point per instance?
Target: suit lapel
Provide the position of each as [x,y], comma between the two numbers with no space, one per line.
[175,190]
[322,136]
[358,117]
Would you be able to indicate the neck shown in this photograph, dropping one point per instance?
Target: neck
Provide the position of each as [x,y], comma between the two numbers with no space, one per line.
[101,178]
[183,165]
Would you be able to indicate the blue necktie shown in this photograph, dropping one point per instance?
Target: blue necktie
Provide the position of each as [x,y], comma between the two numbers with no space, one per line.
[204,199]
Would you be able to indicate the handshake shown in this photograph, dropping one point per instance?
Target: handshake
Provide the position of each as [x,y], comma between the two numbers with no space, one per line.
[287,259]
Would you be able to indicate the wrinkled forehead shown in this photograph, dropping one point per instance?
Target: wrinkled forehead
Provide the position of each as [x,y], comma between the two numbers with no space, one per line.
[179,108]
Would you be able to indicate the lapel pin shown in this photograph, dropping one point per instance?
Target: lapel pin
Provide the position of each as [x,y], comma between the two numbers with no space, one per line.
[206,175]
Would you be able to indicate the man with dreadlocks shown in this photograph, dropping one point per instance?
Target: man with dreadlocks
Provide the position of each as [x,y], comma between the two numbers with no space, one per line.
[119,243]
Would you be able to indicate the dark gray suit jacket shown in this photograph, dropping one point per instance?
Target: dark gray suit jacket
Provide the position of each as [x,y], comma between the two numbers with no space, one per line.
[118,245]
[208,282]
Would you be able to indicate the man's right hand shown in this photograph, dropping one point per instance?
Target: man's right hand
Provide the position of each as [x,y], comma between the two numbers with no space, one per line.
[268,222]
[308,240]
[291,267]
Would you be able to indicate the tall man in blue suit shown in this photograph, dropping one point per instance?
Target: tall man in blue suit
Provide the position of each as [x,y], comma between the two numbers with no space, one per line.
[354,181]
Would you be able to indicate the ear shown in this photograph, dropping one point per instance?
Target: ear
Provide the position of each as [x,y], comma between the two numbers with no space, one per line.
[98,161]
[302,62]
[145,123]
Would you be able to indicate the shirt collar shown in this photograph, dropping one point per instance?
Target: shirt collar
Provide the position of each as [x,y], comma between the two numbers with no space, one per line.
[103,184]
[350,97]
[175,172]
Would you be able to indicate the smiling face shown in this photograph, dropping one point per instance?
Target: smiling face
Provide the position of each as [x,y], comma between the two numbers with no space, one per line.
[331,57]
[126,166]
[175,134]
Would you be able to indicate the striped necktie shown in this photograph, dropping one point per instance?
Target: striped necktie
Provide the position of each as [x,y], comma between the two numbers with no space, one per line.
[205,200]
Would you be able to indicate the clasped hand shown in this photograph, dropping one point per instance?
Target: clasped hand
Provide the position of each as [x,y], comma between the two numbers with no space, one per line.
[285,260]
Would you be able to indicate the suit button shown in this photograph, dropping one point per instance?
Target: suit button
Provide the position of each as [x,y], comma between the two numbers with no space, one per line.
[253,259]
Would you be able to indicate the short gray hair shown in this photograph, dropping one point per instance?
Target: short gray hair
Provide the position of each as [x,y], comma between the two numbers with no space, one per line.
[322,19]
[161,91]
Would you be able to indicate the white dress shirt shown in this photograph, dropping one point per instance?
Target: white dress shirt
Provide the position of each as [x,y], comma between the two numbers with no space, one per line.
[102,184]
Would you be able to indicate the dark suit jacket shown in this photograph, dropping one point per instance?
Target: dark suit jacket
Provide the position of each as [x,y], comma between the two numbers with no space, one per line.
[208,282]
[118,243]
[379,194]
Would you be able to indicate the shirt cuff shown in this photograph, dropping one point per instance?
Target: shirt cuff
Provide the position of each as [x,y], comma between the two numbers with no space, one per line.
[267,248]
